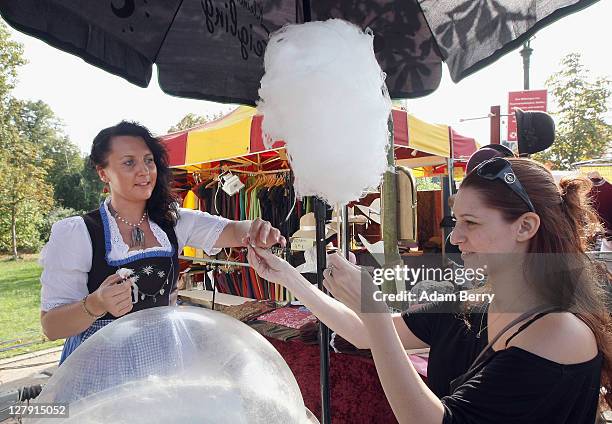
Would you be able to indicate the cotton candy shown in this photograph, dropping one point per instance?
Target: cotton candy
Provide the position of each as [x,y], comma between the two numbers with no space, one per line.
[124,272]
[323,93]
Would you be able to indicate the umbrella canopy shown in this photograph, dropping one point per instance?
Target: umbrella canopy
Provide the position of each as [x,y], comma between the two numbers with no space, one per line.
[213,49]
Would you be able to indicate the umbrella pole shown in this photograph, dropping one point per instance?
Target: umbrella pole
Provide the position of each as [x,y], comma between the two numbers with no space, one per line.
[389,214]
[320,215]
[447,191]
[346,233]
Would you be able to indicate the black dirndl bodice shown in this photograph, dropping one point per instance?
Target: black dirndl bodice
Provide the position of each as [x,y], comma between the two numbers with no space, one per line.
[155,272]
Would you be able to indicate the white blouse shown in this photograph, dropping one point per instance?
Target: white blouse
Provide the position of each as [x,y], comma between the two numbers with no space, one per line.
[66,258]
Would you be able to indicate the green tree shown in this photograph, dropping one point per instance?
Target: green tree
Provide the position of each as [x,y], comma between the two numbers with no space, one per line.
[56,214]
[582,103]
[25,196]
[75,187]
[39,125]
[428,183]
[11,58]
[191,120]
[92,186]
[81,189]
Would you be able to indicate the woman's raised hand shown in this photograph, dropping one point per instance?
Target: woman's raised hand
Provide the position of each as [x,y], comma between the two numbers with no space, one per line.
[269,266]
[262,234]
[350,285]
[114,295]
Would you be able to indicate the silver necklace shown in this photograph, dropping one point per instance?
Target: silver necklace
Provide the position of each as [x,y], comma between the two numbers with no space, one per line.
[138,236]
[485,314]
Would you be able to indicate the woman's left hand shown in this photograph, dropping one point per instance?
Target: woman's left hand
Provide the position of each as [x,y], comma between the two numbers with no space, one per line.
[351,286]
[269,266]
[262,234]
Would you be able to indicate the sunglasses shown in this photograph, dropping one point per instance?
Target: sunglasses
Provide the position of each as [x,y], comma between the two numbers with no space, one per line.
[501,169]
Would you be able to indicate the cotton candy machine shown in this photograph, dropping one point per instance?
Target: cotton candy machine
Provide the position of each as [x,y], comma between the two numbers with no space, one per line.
[176,364]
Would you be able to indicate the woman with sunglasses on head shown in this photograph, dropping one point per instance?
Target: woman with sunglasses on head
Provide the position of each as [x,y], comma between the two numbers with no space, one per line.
[138,228]
[540,352]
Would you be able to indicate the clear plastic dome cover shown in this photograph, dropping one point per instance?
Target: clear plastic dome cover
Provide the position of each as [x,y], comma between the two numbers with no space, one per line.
[176,364]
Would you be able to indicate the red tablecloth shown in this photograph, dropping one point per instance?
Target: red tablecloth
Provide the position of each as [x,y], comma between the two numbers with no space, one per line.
[356,394]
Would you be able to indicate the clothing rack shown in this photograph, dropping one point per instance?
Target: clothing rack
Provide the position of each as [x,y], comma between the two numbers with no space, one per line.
[232,274]
[242,282]
[194,259]
[236,167]
[255,173]
[213,261]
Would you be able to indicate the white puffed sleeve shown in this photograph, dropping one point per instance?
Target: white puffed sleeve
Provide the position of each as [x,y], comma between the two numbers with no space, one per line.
[199,229]
[66,260]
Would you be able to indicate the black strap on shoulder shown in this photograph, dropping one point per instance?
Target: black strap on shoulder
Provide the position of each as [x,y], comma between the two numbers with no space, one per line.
[523,317]
[480,359]
[525,325]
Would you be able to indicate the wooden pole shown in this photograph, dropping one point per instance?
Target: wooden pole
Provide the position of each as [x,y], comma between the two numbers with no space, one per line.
[495,124]
[389,215]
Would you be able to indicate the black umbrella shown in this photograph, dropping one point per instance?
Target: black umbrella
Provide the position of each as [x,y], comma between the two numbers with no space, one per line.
[213,49]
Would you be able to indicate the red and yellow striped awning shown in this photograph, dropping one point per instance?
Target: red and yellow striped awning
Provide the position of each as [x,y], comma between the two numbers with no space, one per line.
[235,135]
[238,135]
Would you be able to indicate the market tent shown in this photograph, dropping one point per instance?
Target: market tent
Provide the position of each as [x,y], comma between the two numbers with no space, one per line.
[420,136]
[235,135]
[238,135]
[425,147]
[463,146]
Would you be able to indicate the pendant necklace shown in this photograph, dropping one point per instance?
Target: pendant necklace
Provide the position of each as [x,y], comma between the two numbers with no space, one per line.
[138,236]
[481,328]
[485,313]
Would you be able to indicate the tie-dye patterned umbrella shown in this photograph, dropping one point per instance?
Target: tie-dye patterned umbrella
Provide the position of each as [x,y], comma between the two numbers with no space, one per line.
[213,49]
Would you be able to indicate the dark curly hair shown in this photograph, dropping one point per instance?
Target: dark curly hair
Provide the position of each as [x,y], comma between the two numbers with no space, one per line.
[162,206]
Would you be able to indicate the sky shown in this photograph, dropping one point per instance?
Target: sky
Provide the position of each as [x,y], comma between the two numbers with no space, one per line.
[88,99]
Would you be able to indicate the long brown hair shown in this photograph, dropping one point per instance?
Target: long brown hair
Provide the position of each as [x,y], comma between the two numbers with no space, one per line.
[557,267]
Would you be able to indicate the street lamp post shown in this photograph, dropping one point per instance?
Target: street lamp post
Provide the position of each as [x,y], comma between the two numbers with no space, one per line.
[526,53]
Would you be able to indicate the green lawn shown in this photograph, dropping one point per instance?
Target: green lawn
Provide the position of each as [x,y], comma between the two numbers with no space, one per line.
[20,307]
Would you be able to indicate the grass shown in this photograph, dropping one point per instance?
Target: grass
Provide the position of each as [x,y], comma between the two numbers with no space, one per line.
[20,307]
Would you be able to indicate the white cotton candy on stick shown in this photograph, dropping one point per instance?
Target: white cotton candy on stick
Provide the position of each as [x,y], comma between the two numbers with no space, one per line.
[324,94]
[124,272]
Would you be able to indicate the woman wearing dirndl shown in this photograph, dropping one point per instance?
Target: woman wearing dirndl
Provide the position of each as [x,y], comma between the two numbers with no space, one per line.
[139,228]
